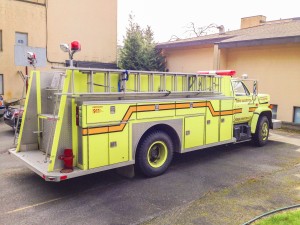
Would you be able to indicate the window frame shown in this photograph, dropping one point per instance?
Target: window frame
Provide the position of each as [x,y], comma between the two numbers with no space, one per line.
[24,33]
[2,84]
[294,113]
[1,41]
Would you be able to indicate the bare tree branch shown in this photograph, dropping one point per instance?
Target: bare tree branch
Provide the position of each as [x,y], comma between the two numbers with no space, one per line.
[199,31]
[193,31]
[174,38]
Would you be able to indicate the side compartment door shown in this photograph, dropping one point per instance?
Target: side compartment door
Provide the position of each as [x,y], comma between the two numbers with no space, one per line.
[226,120]
[118,145]
[212,123]
[97,150]
[194,131]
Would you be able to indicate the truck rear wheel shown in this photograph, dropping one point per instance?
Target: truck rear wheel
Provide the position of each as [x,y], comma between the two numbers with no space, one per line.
[154,154]
[261,135]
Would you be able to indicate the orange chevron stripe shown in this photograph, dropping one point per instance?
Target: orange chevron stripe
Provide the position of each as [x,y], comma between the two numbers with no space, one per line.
[117,128]
[182,105]
[226,113]
[199,104]
[211,109]
[236,111]
[167,106]
[145,108]
[252,109]
[149,108]
[96,130]
[129,112]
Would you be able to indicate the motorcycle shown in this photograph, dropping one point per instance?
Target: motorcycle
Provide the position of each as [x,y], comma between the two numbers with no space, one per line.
[2,107]
[13,114]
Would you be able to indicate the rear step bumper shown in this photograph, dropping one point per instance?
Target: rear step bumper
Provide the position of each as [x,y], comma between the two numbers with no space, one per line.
[34,160]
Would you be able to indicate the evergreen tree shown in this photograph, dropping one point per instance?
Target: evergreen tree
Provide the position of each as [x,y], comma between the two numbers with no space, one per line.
[139,52]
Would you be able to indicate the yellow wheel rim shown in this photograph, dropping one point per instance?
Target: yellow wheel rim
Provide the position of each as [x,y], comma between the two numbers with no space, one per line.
[265,131]
[157,154]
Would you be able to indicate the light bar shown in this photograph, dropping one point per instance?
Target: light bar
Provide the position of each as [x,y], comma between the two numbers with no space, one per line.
[218,72]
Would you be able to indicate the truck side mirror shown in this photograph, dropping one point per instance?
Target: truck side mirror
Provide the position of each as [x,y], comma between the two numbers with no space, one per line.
[255,92]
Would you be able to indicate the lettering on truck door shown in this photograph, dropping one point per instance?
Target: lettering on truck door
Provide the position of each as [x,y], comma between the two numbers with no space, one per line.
[244,101]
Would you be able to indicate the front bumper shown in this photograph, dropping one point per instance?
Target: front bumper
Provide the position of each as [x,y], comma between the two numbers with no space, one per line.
[276,124]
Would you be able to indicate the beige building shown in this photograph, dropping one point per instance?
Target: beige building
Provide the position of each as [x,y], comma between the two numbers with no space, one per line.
[41,25]
[265,50]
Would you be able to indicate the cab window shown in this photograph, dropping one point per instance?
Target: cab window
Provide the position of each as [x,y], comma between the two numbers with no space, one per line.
[240,89]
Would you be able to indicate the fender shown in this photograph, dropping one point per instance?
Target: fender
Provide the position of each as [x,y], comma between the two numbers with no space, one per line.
[256,115]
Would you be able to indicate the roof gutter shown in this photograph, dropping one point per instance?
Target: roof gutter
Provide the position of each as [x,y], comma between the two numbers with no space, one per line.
[258,42]
[171,45]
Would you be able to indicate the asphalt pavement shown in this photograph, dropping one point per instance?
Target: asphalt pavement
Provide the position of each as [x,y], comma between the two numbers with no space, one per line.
[223,185]
[6,136]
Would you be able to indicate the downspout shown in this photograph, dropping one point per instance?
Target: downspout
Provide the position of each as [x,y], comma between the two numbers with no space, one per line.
[216,57]
[46,7]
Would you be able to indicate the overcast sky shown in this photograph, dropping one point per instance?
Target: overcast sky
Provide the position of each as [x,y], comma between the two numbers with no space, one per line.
[170,17]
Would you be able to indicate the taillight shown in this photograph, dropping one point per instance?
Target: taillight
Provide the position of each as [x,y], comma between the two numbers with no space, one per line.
[63,177]
[271,106]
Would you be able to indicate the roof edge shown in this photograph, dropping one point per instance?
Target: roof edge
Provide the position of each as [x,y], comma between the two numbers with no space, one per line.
[171,45]
[257,42]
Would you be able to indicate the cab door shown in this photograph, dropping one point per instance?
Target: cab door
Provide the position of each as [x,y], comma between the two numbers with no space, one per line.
[244,105]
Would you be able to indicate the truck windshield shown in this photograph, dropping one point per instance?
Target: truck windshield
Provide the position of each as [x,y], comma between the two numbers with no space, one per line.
[240,89]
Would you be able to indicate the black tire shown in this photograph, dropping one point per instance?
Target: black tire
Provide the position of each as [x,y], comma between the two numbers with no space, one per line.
[154,154]
[260,138]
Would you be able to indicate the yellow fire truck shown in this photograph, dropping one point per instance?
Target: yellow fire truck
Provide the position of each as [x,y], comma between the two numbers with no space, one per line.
[78,121]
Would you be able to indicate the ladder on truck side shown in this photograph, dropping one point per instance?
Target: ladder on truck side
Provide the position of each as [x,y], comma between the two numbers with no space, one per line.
[159,84]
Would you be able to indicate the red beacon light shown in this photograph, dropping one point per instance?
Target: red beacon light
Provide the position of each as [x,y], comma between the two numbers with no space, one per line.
[75,46]
[218,72]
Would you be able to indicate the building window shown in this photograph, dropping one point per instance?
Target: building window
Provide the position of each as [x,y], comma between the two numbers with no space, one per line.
[21,39]
[274,111]
[1,49]
[1,85]
[296,115]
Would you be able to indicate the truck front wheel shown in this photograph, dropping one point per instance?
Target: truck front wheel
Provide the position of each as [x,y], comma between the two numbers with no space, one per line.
[261,135]
[154,154]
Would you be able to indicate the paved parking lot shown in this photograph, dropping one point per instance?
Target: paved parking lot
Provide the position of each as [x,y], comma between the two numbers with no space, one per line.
[6,136]
[222,185]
